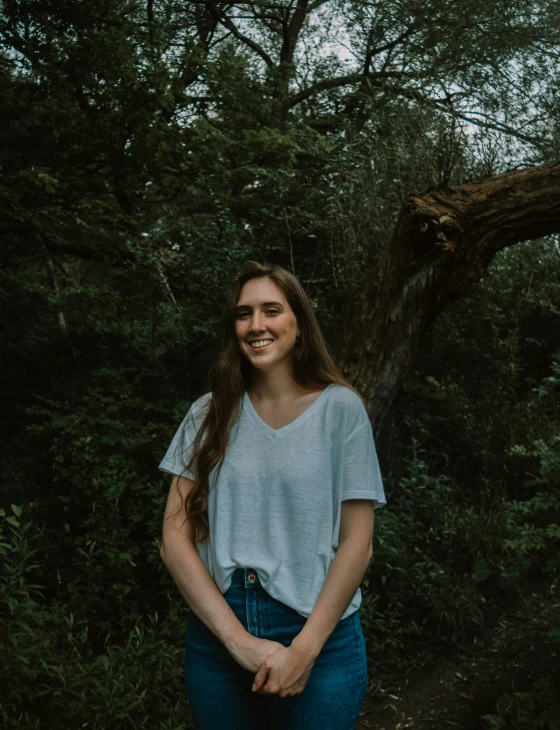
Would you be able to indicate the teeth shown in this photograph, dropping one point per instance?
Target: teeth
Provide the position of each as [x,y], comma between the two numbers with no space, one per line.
[260,343]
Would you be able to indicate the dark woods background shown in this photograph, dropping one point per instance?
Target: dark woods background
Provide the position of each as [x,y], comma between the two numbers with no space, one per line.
[147,150]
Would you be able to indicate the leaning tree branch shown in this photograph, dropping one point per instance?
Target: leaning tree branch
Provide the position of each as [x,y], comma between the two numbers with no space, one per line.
[443,242]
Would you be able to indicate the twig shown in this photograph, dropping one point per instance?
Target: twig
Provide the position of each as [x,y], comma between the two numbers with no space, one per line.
[289,241]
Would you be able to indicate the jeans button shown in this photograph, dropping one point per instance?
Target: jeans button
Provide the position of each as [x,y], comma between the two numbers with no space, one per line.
[251,577]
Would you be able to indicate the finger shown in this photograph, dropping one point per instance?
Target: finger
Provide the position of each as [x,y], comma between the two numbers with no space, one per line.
[260,678]
[257,682]
[266,688]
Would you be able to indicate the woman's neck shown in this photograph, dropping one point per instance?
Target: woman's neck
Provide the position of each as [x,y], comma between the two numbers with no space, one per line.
[274,387]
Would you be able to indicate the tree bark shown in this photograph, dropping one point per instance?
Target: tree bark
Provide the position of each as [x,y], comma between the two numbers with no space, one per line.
[443,242]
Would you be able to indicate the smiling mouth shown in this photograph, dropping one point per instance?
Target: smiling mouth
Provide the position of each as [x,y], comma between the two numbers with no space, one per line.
[260,344]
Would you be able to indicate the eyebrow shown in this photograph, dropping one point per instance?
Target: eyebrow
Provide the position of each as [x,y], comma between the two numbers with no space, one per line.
[264,304]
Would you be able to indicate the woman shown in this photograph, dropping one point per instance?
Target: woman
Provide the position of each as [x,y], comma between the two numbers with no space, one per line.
[269,521]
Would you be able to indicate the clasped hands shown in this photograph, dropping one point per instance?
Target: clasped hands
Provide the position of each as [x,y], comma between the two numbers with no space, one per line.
[279,669]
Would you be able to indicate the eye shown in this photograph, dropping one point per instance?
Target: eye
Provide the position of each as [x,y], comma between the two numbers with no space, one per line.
[272,311]
[241,315]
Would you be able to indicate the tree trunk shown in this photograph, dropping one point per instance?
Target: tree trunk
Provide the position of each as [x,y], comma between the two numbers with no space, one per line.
[443,242]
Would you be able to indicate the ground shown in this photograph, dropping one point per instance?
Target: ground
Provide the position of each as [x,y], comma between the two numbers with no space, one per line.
[456,689]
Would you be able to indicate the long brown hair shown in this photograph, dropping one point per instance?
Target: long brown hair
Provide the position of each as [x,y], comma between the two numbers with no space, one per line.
[230,376]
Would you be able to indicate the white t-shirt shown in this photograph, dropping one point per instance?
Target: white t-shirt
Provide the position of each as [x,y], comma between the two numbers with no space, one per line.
[277,503]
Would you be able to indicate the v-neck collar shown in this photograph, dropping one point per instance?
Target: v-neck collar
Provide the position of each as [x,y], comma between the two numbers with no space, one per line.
[276,432]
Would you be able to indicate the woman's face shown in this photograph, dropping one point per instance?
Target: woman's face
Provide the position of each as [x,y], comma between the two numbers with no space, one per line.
[265,325]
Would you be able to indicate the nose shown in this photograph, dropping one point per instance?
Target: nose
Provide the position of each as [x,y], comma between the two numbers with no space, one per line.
[257,322]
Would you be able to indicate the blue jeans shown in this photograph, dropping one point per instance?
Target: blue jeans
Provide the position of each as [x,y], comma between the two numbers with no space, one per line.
[219,689]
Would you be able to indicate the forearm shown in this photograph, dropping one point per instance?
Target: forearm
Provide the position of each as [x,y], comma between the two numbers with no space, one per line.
[343,578]
[199,589]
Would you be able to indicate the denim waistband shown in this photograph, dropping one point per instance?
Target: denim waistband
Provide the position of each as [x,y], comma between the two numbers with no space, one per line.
[245,578]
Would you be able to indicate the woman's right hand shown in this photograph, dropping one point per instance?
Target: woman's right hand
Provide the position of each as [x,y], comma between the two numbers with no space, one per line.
[250,652]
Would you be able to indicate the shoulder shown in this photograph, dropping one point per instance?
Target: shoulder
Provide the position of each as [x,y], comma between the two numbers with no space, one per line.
[347,407]
[200,404]
[345,398]
[343,395]
[198,409]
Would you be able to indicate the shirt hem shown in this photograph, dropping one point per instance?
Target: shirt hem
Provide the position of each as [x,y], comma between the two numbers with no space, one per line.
[377,499]
[176,472]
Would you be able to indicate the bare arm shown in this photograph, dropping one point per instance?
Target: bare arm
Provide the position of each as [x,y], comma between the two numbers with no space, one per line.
[191,576]
[197,586]
[344,575]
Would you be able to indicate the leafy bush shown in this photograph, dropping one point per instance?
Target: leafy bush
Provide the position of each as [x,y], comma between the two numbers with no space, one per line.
[53,675]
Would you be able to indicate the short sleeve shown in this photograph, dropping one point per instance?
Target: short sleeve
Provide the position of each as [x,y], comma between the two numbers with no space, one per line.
[361,475]
[181,448]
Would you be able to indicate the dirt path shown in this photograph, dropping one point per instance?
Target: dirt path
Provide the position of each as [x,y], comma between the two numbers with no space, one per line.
[457,690]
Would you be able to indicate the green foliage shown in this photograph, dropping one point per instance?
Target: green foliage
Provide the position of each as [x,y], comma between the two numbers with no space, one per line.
[533,703]
[424,553]
[143,159]
[53,672]
[537,708]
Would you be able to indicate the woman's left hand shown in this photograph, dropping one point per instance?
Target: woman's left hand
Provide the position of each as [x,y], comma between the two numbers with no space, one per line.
[285,672]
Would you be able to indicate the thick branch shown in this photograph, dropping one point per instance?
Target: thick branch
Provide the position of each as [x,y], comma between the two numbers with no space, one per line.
[443,242]
[292,32]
